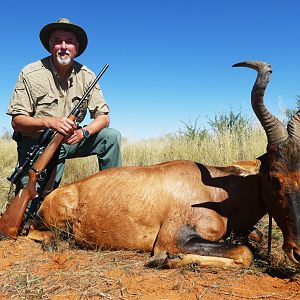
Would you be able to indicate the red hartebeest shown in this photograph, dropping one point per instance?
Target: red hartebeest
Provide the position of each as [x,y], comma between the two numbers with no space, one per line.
[183,207]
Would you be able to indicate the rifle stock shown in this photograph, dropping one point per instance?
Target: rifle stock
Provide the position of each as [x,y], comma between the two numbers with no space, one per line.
[11,220]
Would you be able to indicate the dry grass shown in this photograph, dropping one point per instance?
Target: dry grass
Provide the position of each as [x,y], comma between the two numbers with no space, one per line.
[8,159]
[213,150]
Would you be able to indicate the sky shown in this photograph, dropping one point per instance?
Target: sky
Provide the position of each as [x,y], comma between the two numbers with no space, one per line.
[170,60]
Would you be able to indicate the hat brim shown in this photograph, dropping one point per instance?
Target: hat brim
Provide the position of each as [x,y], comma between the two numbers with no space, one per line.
[80,34]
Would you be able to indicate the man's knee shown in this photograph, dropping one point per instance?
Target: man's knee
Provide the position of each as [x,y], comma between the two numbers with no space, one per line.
[110,155]
[112,136]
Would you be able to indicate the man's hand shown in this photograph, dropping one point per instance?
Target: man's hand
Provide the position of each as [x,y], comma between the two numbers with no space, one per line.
[63,125]
[75,138]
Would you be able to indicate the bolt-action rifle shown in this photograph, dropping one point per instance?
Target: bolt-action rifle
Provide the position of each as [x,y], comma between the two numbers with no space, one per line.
[35,162]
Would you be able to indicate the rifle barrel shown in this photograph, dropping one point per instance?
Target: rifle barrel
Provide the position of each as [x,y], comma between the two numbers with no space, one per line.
[75,109]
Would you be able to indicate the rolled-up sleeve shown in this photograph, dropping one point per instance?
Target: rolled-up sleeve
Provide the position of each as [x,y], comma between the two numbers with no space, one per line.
[97,104]
[20,103]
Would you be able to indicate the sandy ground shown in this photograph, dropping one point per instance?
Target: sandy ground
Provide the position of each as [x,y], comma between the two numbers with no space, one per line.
[28,272]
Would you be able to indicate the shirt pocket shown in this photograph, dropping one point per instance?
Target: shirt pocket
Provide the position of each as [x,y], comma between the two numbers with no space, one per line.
[47,106]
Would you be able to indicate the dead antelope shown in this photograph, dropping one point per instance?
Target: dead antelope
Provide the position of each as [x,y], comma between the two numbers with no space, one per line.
[186,208]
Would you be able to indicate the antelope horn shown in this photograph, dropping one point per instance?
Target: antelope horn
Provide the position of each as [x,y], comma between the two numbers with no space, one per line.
[293,126]
[275,130]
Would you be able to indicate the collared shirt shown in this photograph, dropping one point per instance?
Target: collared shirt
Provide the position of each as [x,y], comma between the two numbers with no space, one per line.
[40,93]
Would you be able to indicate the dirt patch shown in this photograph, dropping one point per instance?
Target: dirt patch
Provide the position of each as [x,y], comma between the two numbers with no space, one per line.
[28,272]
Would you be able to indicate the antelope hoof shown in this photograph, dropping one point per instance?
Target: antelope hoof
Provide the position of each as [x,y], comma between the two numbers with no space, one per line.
[161,260]
[255,236]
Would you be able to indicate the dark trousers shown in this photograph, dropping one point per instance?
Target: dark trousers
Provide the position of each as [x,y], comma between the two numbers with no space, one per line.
[106,145]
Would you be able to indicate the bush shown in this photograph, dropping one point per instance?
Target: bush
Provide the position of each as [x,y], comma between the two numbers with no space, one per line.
[192,131]
[230,123]
[289,112]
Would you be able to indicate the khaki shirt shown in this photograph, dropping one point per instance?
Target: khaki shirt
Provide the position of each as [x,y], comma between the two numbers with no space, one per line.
[39,93]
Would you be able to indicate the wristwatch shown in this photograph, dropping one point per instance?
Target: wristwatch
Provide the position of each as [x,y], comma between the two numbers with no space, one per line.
[86,133]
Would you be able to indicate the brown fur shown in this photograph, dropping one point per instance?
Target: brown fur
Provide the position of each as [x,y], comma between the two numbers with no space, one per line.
[145,208]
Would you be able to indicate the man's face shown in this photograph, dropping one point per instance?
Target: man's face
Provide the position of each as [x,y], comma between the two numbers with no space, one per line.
[63,46]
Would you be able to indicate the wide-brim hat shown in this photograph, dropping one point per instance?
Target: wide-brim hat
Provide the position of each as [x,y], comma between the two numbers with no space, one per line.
[64,24]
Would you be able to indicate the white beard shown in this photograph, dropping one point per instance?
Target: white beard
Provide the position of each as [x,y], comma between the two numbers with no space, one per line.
[64,61]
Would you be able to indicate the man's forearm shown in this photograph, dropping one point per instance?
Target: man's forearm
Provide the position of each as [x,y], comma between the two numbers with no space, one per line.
[98,124]
[28,124]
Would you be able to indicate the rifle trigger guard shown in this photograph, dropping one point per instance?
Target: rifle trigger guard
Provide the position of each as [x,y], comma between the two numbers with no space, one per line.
[43,175]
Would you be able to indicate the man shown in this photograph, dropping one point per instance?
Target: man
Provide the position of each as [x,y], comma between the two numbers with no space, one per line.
[45,94]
